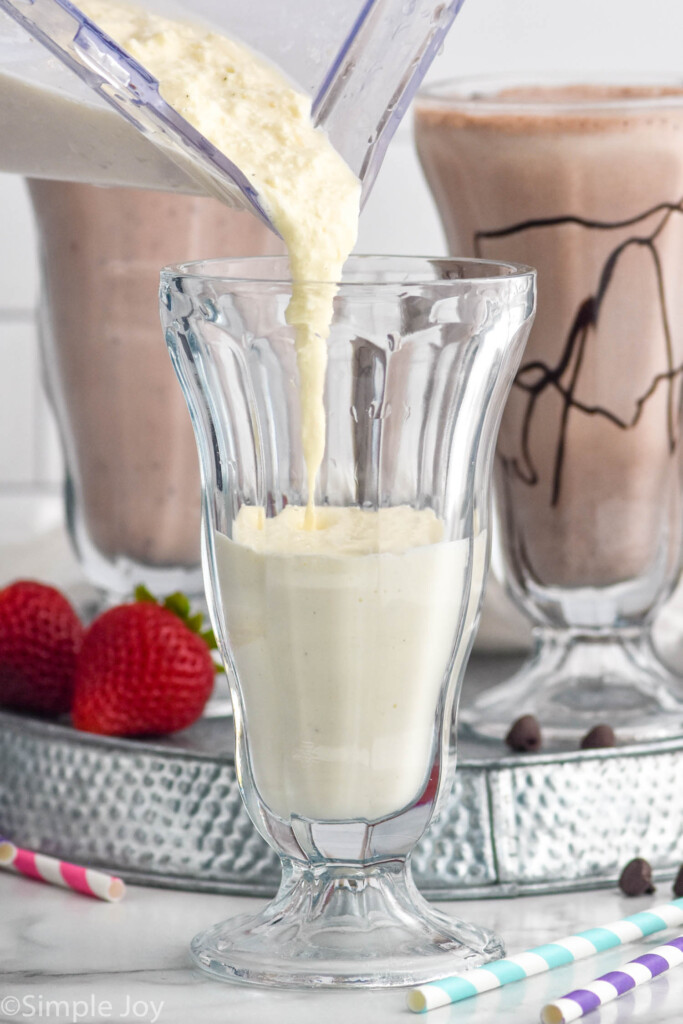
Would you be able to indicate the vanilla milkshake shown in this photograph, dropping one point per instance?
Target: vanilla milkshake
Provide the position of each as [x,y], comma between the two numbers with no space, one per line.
[343,638]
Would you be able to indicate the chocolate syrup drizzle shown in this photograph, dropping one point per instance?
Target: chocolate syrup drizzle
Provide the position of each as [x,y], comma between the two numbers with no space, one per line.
[536,376]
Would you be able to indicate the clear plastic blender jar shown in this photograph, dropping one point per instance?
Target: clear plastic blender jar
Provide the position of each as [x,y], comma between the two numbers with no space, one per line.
[360,61]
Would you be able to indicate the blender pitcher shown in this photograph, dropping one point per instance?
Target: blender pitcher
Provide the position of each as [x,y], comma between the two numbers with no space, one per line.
[361,63]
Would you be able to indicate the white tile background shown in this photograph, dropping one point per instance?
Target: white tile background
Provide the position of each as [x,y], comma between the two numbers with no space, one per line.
[490,35]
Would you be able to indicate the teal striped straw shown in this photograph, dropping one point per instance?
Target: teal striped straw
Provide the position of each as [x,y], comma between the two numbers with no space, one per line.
[545,958]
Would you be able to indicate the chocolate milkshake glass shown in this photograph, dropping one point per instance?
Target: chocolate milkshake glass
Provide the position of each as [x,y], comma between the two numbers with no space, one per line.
[584,182]
[132,477]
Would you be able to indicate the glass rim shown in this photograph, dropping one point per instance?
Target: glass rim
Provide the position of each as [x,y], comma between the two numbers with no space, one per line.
[470,91]
[511,271]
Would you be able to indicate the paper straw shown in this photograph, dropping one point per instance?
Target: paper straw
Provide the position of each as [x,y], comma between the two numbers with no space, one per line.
[60,872]
[544,958]
[614,984]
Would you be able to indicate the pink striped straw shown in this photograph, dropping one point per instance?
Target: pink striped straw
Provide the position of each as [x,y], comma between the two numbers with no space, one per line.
[59,872]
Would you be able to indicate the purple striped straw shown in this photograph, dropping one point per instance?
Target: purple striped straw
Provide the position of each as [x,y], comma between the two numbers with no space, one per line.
[614,984]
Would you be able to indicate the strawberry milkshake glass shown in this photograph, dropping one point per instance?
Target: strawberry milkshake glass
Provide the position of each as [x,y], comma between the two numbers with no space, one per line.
[132,480]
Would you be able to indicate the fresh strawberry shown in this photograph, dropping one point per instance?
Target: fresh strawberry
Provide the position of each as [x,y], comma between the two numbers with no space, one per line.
[40,636]
[144,669]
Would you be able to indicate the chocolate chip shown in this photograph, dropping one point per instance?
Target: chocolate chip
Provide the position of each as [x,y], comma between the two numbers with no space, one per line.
[636,878]
[524,734]
[678,884]
[599,736]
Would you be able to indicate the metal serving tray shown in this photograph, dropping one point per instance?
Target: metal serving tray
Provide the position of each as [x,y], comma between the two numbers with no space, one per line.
[169,813]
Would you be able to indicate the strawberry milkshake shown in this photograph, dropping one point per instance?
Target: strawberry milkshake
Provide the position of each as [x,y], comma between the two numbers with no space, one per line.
[133,496]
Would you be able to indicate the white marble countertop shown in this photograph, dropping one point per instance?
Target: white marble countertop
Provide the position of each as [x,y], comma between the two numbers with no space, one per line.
[64,957]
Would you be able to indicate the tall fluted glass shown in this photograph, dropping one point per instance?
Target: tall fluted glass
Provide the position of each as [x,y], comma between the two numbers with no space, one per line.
[345,645]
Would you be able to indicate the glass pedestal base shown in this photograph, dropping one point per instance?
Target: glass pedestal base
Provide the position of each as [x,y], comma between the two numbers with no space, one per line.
[574,681]
[344,926]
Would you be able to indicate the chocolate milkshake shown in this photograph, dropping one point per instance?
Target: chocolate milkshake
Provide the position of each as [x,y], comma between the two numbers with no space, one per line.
[584,182]
[133,482]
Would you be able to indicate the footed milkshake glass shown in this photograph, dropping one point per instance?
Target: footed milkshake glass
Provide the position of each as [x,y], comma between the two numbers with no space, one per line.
[584,180]
[345,644]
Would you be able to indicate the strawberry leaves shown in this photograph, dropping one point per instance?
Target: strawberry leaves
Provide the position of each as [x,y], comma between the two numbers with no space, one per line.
[179,604]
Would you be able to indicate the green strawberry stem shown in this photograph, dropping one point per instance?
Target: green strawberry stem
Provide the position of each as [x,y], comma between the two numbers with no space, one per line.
[179,604]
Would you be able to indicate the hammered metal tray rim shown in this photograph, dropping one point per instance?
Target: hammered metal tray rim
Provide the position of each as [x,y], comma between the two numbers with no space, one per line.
[514,760]
[146,745]
[155,745]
